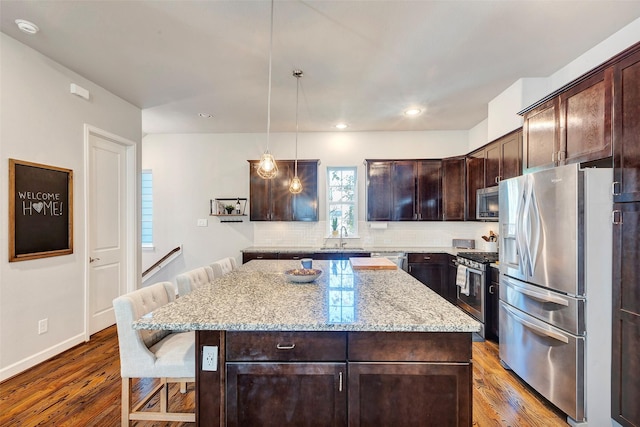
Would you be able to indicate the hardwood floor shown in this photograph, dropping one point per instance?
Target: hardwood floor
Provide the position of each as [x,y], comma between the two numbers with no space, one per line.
[81,387]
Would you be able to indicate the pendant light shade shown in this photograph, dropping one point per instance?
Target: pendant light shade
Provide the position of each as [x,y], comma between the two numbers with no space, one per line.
[267,167]
[296,185]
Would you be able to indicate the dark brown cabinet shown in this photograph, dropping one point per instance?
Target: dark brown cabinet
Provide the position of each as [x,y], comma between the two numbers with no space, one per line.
[626,315]
[452,288]
[503,158]
[387,373]
[379,190]
[626,129]
[430,269]
[475,181]
[404,190]
[625,385]
[453,188]
[248,256]
[270,199]
[585,120]
[541,136]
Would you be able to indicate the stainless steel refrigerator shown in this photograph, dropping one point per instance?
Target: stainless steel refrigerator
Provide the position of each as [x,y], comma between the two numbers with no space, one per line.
[555,287]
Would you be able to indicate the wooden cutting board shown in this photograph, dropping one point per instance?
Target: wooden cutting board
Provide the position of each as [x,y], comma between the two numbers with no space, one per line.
[365,263]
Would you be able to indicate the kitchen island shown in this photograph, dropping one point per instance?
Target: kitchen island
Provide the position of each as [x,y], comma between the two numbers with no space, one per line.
[350,348]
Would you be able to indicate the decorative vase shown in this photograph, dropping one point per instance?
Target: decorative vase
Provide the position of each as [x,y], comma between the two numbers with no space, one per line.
[229,211]
[334,233]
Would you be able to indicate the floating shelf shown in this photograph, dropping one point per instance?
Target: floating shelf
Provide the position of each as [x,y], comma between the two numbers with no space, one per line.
[218,208]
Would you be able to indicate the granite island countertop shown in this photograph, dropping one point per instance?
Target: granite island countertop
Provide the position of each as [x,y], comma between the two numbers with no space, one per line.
[381,249]
[258,297]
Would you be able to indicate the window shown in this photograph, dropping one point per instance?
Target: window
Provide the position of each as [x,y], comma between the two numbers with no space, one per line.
[342,200]
[147,208]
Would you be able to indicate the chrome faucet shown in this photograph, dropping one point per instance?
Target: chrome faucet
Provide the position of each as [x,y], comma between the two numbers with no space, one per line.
[343,228]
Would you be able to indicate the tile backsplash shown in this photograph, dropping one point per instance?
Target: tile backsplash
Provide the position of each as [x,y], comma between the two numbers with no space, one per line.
[397,234]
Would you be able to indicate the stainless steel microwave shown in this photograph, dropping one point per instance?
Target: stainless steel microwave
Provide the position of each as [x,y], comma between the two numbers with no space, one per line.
[487,204]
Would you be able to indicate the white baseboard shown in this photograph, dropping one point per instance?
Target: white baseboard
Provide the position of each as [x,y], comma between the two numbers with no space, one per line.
[31,361]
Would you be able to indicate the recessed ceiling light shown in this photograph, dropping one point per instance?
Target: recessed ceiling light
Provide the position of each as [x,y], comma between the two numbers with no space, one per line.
[26,26]
[205,115]
[412,112]
[341,126]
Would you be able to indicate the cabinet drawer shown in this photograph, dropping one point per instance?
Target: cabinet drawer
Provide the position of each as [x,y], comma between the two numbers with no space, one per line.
[428,258]
[409,347]
[286,346]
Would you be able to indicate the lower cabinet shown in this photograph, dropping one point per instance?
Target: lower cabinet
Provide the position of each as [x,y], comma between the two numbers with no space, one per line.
[430,269]
[492,313]
[386,394]
[452,273]
[340,378]
[261,394]
[248,256]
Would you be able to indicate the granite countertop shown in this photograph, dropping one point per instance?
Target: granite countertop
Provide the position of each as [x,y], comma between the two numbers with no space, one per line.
[308,249]
[257,296]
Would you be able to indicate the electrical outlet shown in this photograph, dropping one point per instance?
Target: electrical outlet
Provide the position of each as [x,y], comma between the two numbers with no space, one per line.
[203,222]
[210,358]
[43,326]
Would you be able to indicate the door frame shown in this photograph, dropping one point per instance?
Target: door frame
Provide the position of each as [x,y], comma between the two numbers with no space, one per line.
[131,214]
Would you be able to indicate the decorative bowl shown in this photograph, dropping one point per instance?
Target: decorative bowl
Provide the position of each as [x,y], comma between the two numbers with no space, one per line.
[302,275]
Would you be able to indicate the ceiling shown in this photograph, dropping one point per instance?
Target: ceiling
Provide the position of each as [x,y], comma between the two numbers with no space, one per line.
[364,62]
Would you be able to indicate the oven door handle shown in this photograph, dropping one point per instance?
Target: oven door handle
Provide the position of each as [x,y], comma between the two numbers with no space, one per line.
[539,296]
[535,328]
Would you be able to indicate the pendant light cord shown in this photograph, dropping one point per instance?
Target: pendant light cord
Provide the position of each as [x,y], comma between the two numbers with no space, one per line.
[269,92]
[297,89]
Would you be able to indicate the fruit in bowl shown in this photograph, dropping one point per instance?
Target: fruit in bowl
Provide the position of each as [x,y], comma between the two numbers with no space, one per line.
[302,275]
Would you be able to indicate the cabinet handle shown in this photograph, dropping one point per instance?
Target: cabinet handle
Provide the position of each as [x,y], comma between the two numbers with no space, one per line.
[340,381]
[285,346]
[562,155]
[491,287]
[553,157]
[613,188]
[295,257]
[497,179]
[260,257]
[410,269]
[427,258]
[613,217]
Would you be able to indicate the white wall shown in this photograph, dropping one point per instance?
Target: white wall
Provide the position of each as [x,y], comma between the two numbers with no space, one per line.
[40,121]
[190,169]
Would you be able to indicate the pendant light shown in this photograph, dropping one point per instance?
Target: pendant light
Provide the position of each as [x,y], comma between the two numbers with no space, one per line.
[267,168]
[296,185]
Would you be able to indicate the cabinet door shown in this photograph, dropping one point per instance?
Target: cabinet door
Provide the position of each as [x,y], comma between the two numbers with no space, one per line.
[475,181]
[384,394]
[453,186]
[540,138]
[493,159]
[429,190]
[626,129]
[259,195]
[492,318]
[511,156]
[585,120]
[305,204]
[281,198]
[404,190]
[286,394]
[625,377]
[379,190]
[430,269]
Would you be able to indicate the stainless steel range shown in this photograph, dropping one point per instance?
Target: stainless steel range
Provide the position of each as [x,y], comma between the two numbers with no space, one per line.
[472,281]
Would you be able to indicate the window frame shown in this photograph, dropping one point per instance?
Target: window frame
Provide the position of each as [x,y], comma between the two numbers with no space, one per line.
[353,230]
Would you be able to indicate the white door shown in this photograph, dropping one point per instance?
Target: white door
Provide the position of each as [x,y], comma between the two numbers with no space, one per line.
[107,217]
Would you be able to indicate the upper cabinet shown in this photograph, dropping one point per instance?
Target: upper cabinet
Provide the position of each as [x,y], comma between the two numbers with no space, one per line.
[541,136]
[487,166]
[574,125]
[453,188]
[270,199]
[404,190]
[585,120]
[626,129]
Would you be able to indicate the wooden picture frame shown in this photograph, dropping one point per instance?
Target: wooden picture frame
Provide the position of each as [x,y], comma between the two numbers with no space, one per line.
[40,211]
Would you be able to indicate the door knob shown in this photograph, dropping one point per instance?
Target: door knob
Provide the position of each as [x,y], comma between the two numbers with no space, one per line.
[93,259]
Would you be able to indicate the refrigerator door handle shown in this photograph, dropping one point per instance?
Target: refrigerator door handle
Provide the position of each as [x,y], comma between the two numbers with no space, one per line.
[538,296]
[535,328]
[519,234]
[535,231]
[526,226]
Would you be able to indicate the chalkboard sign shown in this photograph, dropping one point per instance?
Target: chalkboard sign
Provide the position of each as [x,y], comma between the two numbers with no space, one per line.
[40,211]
